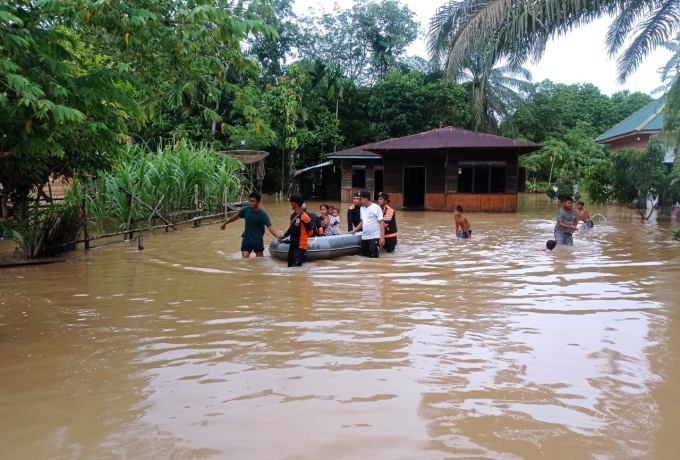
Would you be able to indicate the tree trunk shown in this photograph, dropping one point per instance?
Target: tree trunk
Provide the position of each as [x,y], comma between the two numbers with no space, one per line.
[3,202]
[291,170]
[217,107]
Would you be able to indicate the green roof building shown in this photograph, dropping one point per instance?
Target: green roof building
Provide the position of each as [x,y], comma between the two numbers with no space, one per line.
[634,132]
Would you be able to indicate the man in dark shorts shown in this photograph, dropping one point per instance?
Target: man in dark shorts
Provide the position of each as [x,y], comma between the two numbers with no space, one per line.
[256,221]
[298,232]
[567,223]
[354,213]
[390,221]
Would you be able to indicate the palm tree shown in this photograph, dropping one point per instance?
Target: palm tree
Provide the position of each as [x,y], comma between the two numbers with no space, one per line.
[669,73]
[518,30]
[334,81]
[493,93]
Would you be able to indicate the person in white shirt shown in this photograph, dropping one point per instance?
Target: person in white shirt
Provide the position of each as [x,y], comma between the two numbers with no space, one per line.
[372,219]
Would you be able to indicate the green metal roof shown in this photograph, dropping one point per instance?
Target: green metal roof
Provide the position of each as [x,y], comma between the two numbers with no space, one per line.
[648,118]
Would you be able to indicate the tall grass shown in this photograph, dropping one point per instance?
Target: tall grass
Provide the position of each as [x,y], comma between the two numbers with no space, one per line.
[170,172]
[675,233]
[47,232]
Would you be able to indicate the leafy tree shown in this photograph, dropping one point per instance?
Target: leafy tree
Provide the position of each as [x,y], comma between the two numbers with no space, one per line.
[493,94]
[632,176]
[271,51]
[520,29]
[77,74]
[366,40]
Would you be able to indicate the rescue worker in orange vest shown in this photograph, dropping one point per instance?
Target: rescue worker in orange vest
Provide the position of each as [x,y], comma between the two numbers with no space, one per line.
[390,221]
[300,226]
[354,213]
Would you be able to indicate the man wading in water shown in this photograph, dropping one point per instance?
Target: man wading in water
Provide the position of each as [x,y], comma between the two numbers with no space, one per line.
[567,223]
[390,221]
[300,227]
[354,213]
[372,220]
[256,221]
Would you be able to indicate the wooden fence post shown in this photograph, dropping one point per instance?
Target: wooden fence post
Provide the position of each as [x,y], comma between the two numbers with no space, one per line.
[224,203]
[86,233]
[197,222]
[131,200]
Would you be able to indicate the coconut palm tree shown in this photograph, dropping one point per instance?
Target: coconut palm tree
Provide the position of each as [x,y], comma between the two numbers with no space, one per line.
[518,30]
[493,93]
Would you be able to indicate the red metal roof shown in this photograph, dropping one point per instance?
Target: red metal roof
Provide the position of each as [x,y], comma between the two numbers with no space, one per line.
[451,138]
[354,152]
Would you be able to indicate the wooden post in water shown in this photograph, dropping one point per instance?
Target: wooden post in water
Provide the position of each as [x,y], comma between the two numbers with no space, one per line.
[131,200]
[224,203]
[197,222]
[86,234]
[140,242]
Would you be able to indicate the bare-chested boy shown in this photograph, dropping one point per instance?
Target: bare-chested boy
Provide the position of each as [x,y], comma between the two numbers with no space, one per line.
[463,229]
[582,215]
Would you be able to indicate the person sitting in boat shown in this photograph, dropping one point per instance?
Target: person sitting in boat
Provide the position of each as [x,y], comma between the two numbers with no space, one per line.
[335,222]
[354,213]
[326,226]
[390,221]
[298,232]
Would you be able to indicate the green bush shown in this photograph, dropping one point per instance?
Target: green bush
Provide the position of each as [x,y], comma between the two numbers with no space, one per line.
[563,191]
[675,233]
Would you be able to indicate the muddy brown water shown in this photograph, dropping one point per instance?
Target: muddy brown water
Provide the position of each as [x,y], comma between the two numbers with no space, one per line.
[487,348]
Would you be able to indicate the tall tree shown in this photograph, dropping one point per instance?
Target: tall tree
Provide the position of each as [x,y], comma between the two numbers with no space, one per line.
[519,29]
[366,40]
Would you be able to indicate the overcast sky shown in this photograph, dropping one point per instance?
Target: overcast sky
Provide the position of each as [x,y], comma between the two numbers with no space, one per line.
[579,57]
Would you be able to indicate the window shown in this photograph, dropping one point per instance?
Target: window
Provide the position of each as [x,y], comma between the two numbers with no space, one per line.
[358,177]
[497,179]
[465,176]
[481,177]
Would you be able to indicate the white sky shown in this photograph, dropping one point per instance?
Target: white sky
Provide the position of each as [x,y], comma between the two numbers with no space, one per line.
[578,57]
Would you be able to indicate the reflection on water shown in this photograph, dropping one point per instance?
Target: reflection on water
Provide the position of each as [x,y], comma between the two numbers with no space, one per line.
[487,348]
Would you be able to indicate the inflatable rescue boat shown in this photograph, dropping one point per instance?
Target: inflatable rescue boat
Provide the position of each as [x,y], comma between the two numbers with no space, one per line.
[322,247]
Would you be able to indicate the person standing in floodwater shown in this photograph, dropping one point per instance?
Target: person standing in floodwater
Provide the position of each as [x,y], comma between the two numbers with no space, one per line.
[463,229]
[299,230]
[372,220]
[567,223]
[354,213]
[390,221]
[256,221]
[584,216]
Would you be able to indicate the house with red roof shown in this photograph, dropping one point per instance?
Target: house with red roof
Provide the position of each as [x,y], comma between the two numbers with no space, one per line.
[438,170]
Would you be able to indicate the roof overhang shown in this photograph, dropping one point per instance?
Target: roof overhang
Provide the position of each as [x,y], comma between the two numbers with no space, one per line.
[304,170]
[355,157]
[628,134]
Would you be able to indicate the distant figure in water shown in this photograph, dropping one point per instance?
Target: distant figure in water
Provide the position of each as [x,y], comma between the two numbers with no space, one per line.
[463,229]
[256,221]
[584,216]
[567,223]
[550,245]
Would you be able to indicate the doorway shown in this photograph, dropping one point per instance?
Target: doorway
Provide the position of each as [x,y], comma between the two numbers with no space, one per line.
[414,187]
[378,183]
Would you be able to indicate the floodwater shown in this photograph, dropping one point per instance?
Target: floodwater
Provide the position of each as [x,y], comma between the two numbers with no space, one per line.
[487,348]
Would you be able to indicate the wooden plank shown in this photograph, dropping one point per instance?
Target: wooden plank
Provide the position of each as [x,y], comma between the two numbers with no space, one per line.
[396,200]
[435,180]
[482,202]
[393,174]
[451,174]
[511,178]
[435,201]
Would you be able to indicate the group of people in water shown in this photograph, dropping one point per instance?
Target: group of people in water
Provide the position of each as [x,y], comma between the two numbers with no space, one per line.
[377,223]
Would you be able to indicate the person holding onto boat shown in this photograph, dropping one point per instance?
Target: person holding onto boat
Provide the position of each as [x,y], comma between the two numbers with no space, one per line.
[298,232]
[372,225]
[256,221]
[584,216]
[354,213]
[567,223]
[390,221]
[463,229]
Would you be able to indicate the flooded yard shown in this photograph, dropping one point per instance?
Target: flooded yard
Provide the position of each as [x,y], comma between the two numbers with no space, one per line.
[447,348]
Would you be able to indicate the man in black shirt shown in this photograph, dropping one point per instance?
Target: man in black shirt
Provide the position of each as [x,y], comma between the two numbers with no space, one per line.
[354,213]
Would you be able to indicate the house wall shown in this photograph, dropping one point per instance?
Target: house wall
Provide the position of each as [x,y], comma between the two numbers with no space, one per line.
[346,190]
[630,142]
[441,179]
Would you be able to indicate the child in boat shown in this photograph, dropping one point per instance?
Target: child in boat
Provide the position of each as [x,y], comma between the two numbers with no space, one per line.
[335,221]
[326,226]
[583,216]
[463,229]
